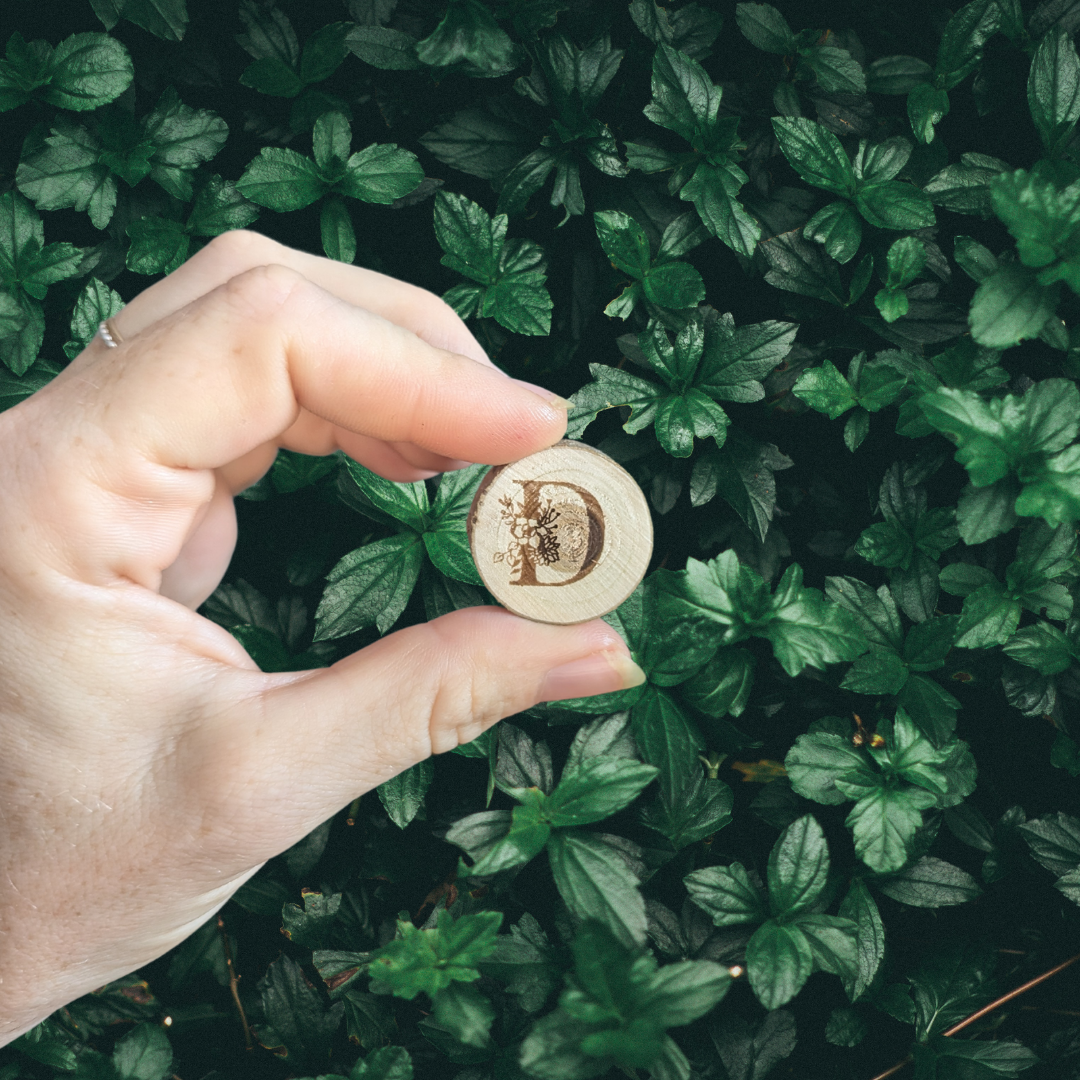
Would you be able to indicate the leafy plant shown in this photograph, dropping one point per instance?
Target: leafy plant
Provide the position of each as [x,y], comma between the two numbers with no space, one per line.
[810,274]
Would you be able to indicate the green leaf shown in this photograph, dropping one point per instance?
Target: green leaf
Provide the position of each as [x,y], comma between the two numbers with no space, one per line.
[798,867]
[989,618]
[884,822]
[927,106]
[369,587]
[697,809]
[311,925]
[837,226]
[999,1057]
[985,512]
[964,186]
[402,796]
[778,961]
[799,267]
[762,25]
[836,70]
[1053,88]
[383,47]
[596,789]
[297,1019]
[624,242]
[752,1053]
[817,761]
[825,390]
[1054,841]
[427,961]
[712,190]
[461,1018]
[727,894]
[447,542]
[468,35]
[674,285]
[875,612]
[743,472]
[143,1054]
[404,502]
[807,630]
[511,271]
[684,98]
[859,906]
[1010,306]
[667,739]
[965,34]
[381,173]
[816,154]
[879,671]
[385,1063]
[1042,647]
[930,883]
[595,883]
[897,74]
[616,1007]
[85,71]
[723,685]
[1053,491]
[895,205]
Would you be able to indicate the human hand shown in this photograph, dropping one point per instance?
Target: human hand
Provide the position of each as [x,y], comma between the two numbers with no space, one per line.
[147,767]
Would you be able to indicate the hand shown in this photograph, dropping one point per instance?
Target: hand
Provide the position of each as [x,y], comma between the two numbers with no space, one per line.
[147,767]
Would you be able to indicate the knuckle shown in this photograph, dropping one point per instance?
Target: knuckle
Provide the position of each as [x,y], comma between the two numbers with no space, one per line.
[264,291]
[240,249]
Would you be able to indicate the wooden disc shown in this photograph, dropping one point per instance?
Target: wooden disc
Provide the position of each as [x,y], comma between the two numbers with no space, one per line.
[562,536]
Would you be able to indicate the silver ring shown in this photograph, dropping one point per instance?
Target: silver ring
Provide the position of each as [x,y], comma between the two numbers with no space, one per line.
[109,335]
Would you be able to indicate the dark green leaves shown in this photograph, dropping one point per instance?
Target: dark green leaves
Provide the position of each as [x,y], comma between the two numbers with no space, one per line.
[283,180]
[83,72]
[616,1009]
[601,777]
[710,361]
[891,784]
[762,25]
[1053,89]
[818,156]
[685,100]
[792,942]
[725,602]
[427,961]
[371,585]
[665,282]
[510,274]
[1024,437]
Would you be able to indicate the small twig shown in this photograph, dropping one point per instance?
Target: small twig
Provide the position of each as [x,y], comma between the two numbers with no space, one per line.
[895,1069]
[996,1004]
[233,980]
[1010,995]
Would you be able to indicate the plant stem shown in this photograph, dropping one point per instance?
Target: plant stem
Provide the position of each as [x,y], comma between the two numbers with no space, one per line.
[233,980]
[996,1004]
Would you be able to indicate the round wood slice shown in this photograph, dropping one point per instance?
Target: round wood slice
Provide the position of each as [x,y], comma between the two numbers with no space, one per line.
[562,536]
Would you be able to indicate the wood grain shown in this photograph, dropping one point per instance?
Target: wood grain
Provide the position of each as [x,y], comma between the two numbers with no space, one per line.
[562,536]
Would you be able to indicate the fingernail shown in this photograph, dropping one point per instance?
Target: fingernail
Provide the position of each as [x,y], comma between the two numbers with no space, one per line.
[600,673]
[553,400]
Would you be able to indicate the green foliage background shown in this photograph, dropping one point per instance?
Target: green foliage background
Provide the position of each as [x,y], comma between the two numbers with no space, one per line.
[810,274]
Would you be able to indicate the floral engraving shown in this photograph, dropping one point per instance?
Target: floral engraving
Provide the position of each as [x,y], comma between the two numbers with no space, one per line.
[554,526]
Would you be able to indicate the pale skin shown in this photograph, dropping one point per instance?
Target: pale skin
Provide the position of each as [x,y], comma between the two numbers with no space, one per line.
[147,767]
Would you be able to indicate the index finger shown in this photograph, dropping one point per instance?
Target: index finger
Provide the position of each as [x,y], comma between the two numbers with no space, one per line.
[234,252]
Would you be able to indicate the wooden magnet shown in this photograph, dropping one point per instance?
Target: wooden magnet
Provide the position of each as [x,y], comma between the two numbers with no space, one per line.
[562,536]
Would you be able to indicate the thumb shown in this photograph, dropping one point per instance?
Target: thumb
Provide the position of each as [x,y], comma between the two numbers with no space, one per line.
[305,749]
